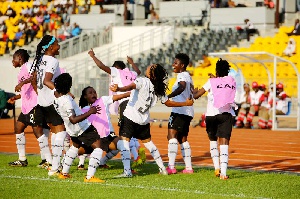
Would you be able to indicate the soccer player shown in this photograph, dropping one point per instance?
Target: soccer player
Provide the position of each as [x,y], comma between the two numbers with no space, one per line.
[78,127]
[47,68]
[181,117]
[122,76]
[145,91]
[28,96]
[220,102]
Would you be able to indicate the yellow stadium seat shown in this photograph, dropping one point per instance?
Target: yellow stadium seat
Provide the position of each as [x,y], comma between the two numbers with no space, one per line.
[2,47]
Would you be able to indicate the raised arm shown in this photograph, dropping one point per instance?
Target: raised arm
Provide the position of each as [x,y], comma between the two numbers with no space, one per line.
[99,63]
[79,118]
[129,87]
[179,89]
[134,66]
[48,80]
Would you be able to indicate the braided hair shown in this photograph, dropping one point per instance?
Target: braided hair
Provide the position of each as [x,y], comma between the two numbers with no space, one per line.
[82,101]
[222,68]
[40,52]
[23,54]
[63,83]
[158,77]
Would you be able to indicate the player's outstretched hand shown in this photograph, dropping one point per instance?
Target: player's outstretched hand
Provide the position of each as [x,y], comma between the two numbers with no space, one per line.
[91,52]
[114,87]
[129,60]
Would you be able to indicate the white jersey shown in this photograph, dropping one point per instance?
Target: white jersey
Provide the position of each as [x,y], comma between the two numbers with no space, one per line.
[51,65]
[64,106]
[140,101]
[182,97]
[116,79]
[255,97]
[211,110]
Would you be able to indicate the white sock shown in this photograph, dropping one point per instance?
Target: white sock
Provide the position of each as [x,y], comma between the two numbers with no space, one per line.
[123,146]
[137,144]
[224,159]
[44,147]
[133,150]
[46,133]
[20,142]
[109,155]
[155,154]
[57,150]
[172,152]
[186,155]
[69,158]
[94,162]
[53,137]
[81,159]
[214,153]
[67,142]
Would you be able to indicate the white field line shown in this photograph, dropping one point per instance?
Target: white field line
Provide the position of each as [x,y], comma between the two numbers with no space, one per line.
[135,186]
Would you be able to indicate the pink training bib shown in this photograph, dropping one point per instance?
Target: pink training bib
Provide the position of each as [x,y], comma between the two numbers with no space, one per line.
[28,95]
[99,120]
[223,89]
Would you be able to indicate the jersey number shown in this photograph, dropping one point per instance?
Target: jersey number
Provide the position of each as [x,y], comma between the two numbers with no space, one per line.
[147,105]
[40,79]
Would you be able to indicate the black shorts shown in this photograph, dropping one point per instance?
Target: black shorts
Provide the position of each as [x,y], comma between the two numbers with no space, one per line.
[47,114]
[219,126]
[122,107]
[131,129]
[105,142]
[27,119]
[88,137]
[180,123]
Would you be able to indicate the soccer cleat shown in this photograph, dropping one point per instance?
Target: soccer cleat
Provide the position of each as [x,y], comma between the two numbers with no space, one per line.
[137,162]
[188,171]
[224,177]
[80,167]
[64,176]
[104,166]
[18,163]
[53,173]
[41,163]
[93,179]
[142,154]
[171,171]
[46,165]
[164,172]
[124,175]
[217,172]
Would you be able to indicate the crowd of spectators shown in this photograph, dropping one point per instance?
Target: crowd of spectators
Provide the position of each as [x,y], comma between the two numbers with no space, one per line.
[23,21]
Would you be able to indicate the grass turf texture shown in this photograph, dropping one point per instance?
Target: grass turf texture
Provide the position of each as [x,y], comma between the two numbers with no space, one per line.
[33,182]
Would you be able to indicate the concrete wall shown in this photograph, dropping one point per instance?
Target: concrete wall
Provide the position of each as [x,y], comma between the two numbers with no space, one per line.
[93,21]
[261,17]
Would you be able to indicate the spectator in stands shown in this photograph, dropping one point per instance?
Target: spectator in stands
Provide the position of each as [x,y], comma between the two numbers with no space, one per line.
[154,17]
[231,4]
[282,101]
[148,7]
[76,30]
[263,113]
[2,19]
[204,62]
[296,30]
[291,48]
[65,32]
[190,68]
[32,29]
[4,36]
[46,23]
[249,28]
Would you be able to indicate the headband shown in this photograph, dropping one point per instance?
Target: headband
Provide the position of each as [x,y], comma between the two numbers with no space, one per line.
[51,42]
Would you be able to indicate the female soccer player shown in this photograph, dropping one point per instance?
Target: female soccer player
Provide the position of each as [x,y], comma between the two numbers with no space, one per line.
[181,117]
[122,76]
[145,91]
[78,127]
[220,102]
[47,68]
[28,96]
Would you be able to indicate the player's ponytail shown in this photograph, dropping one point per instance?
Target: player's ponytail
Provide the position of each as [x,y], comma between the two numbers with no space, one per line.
[158,77]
